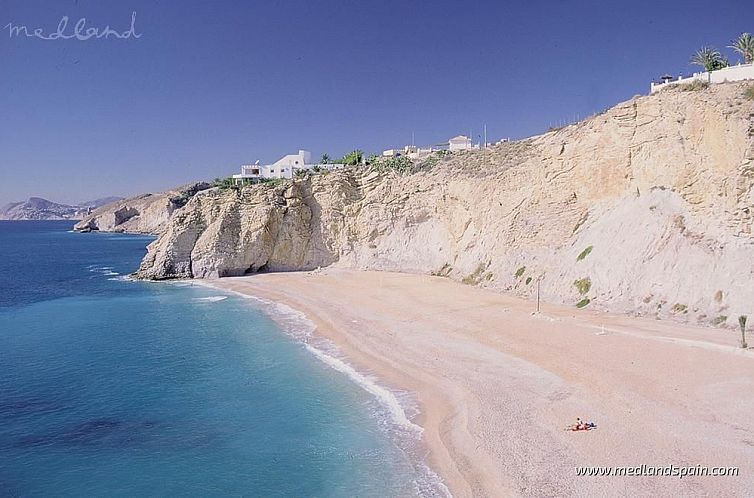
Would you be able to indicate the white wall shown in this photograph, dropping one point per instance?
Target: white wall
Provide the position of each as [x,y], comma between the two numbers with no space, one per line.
[732,73]
[277,170]
[285,166]
[454,145]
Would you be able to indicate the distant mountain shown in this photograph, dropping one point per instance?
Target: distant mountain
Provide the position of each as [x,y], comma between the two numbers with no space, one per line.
[9,206]
[36,208]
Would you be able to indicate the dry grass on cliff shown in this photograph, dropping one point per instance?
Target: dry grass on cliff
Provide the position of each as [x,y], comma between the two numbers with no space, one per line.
[488,162]
[694,86]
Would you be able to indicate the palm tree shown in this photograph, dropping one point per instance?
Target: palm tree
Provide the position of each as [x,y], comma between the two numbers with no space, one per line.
[325,159]
[354,158]
[744,45]
[709,58]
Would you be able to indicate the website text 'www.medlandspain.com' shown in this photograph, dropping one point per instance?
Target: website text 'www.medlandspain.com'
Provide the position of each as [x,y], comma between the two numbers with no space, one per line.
[658,471]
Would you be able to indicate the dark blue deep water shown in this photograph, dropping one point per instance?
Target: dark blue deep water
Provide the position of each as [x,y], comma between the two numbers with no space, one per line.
[110,387]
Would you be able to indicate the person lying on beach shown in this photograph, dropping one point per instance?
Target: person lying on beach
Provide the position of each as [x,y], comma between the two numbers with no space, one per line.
[580,425]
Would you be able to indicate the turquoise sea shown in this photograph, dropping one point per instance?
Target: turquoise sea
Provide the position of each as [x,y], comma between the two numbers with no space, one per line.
[111,387]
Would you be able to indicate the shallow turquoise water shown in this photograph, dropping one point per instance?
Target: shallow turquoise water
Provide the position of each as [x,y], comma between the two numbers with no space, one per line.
[110,387]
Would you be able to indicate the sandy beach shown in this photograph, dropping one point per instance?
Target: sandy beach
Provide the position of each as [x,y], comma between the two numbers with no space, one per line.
[497,384]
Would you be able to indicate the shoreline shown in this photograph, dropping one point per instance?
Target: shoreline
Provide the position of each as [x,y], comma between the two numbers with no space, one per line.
[326,350]
[493,400]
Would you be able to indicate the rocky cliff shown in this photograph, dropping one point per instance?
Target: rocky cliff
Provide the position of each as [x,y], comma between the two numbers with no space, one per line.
[148,213]
[646,208]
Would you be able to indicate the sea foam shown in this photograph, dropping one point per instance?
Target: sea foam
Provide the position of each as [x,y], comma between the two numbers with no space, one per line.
[395,404]
[211,299]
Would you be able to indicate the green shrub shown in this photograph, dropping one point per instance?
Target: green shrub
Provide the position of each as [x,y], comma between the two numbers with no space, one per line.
[353,158]
[719,320]
[583,302]
[474,277]
[225,183]
[583,254]
[528,280]
[583,285]
[519,273]
[680,308]
[401,164]
[749,92]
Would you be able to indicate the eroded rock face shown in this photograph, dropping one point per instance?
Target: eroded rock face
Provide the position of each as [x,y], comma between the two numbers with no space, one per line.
[148,213]
[226,233]
[646,208]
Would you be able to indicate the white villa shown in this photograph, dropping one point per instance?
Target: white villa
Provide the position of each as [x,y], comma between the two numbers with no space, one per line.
[284,167]
[461,142]
[731,73]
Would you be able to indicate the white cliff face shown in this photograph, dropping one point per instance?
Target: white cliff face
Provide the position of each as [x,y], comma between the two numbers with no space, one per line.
[645,209]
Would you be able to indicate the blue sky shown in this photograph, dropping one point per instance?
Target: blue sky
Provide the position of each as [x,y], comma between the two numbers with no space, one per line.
[213,84]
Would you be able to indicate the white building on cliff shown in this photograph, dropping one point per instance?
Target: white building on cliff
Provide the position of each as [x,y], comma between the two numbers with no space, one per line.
[461,142]
[739,72]
[284,167]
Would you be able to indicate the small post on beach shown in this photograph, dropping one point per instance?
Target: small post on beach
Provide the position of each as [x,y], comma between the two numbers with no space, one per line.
[538,294]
